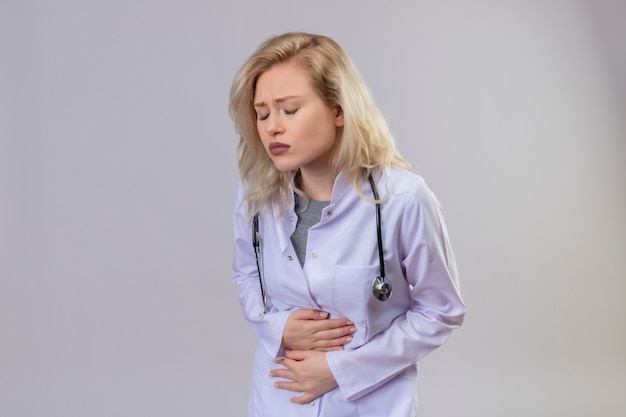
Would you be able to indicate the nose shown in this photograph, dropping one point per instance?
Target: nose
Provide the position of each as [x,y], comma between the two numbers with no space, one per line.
[273,126]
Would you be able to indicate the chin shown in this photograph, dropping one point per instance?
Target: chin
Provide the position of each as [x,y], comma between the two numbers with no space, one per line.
[285,167]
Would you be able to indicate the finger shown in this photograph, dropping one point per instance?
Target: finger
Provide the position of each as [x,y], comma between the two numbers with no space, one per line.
[288,362]
[308,314]
[295,355]
[318,315]
[338,322]
[303,399]
[284,374]
[339,333]
[322,330]
[338,342]
[288,386]
[337,325]
[348,329]
[330,339]
[330,345]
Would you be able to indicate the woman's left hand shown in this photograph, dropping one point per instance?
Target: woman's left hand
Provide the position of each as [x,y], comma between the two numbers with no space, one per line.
[308,373]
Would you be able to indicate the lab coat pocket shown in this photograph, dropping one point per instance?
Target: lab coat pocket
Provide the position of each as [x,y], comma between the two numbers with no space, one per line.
[352,293]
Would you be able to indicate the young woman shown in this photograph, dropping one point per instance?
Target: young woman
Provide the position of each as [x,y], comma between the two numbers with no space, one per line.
[341,256]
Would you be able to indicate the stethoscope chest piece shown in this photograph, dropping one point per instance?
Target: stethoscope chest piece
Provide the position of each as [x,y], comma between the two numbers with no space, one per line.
[381,288]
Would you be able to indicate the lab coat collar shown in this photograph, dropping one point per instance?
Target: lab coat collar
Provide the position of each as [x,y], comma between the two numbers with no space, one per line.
[342,183]
[286,218]
[285,222]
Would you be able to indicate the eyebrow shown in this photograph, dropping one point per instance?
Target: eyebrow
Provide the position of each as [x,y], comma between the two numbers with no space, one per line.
[278,100]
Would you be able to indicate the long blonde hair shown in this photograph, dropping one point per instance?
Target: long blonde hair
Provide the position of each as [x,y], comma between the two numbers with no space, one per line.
[362,144]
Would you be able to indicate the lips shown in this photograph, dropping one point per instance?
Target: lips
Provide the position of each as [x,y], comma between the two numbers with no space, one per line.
[278,148]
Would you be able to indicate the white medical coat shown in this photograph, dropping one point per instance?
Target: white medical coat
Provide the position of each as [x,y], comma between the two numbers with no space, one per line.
[377,371]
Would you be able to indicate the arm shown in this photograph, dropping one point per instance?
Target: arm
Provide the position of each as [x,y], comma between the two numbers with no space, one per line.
[435,310]
[436,306]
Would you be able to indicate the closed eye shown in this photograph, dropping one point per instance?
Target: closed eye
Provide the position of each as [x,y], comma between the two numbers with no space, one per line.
[290,112]
[263,117]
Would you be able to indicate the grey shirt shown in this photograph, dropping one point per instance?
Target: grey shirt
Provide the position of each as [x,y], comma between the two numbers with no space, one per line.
[309,214]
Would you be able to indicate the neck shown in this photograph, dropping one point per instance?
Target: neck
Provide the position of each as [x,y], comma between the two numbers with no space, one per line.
[317,185]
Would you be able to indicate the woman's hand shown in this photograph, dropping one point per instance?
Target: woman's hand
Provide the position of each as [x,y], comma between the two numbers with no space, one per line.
[314,330]
[306,371]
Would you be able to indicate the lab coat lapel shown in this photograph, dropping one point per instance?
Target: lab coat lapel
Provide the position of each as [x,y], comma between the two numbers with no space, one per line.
[285,221]
[295,288]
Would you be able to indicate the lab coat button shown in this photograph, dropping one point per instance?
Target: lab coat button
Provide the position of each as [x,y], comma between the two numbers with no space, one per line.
[291,218]
[314,255]
[290,258]
[329,213]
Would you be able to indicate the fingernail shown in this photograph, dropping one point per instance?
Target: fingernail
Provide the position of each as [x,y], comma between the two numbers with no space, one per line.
[349,339]
[353,330]
[323,314]
[349,323]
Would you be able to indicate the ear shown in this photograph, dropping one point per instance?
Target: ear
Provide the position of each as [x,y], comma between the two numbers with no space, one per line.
[338,113]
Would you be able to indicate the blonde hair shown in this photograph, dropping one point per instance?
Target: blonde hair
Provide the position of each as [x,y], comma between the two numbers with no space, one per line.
[362,144]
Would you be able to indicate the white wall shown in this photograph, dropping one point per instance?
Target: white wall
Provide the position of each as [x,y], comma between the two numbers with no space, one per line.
[118,174]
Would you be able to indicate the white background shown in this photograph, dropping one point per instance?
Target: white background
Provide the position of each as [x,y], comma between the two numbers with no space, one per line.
[118,176]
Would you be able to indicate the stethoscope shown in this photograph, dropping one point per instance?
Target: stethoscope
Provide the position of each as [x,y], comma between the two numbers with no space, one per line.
[381,286]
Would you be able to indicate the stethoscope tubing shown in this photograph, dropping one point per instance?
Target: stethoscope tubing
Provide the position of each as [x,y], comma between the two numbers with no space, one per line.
[381,256]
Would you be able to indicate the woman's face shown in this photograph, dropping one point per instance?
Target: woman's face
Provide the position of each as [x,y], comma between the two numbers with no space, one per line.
[296,126]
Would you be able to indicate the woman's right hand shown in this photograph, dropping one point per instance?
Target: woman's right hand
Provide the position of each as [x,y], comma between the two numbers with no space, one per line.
[315,330]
